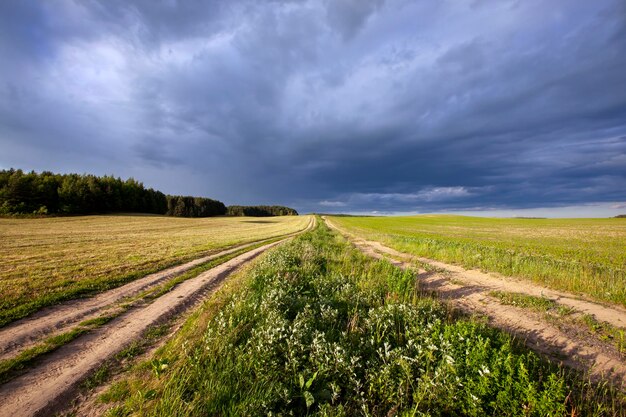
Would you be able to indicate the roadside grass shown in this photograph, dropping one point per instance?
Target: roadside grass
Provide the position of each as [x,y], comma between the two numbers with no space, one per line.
[317,328]
[584,256]
[606,332]
[47,261]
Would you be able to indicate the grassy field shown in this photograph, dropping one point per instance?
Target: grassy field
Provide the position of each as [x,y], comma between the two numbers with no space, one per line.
[578,255]
[316,328]
[44,261]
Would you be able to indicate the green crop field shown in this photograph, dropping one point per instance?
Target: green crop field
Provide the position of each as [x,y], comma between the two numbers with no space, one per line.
[586,256]
[44,261]
[317,328]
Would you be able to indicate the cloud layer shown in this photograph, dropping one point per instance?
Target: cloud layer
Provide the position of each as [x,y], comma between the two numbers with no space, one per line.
[338,105]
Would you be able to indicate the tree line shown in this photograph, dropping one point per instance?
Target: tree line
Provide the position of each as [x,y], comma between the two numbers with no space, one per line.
[49,193]
[260,211]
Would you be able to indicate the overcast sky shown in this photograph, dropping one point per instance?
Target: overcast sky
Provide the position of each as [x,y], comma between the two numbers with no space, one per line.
[333,106]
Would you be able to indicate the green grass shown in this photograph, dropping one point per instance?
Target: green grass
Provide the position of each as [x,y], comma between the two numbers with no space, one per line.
[606,332]
[47,261]
[586,256]
[316,328]
[524,300]
[116,392]
[96,379]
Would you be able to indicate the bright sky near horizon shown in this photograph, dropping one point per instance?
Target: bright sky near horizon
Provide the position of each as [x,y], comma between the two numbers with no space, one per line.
[387,106]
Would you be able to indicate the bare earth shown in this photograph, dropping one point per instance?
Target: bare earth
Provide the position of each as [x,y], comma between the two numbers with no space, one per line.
[49,385]
[468,291]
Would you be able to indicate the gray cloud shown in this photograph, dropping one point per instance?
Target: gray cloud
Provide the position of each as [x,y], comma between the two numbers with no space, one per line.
[370,105]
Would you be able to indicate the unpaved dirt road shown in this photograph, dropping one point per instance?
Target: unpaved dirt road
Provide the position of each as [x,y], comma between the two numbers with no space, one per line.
[468,290]
[50,384]
[26,332]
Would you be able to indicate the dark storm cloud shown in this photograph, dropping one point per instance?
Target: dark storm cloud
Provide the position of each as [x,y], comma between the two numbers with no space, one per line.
[326,105]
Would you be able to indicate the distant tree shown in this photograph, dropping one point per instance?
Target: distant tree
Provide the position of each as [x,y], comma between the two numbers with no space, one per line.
[261,211]
[180,209]
[17,195]
[186,206]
